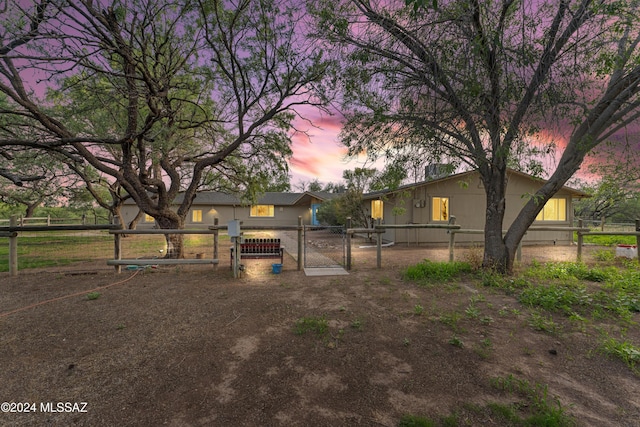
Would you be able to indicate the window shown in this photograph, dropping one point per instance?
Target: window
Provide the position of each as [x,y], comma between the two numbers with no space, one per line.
[440,209]
[196,215]
[262,210]
[377,209]
[148,218]
[554,210]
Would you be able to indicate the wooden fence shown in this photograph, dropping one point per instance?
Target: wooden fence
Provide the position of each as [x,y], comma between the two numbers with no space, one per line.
[50,221]
[453,229]
[13,230]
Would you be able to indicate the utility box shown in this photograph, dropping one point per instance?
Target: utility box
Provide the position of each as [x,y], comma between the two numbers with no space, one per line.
[627,251]
[233,228]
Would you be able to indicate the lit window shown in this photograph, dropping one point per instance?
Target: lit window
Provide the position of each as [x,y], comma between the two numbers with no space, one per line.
[262,210]
[440,208]
[149,218]
[377,209]
[196,215]
[554,210]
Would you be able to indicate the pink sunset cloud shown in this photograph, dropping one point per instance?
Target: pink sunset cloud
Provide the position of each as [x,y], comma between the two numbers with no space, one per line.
[317,151]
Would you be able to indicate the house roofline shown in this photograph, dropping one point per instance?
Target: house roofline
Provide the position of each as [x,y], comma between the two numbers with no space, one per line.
[375,194]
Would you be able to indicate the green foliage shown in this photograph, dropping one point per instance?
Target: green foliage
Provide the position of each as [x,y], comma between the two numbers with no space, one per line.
[604,255]
[416,421]
[318,325]
[429,272]
[623,350]
[541,409]
[464,90]
[555,297]
[456,341]
[615,196]
[608,240]
[619,293]
[543,323]
[451,319]
[93,296]
[570,272]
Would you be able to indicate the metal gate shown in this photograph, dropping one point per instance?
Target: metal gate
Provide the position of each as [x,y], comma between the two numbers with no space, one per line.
[324,246]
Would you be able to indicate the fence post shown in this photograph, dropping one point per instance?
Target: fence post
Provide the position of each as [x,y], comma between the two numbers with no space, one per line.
[580,240]
[117,247]
[300,242]
[13,248]
[215,243]
[638,238]
[378,245]
[452,237]
[348,244]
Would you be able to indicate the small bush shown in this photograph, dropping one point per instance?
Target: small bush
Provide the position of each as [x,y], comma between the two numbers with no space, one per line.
[93,296]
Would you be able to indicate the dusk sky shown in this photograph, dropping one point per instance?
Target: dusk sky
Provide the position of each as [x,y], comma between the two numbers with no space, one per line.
[318,154]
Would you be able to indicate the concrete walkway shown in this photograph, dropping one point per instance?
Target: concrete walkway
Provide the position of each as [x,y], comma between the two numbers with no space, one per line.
[291,247]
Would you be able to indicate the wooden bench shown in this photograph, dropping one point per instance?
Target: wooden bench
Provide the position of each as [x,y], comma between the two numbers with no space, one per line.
[260,248]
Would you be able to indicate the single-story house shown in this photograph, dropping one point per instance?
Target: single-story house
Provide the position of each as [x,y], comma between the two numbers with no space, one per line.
[462,195]
[272,208]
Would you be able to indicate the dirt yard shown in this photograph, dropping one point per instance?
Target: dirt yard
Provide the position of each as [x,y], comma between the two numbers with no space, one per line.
[189,346]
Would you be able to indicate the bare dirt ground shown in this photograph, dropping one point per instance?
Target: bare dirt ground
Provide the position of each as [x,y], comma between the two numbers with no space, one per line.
[189,346]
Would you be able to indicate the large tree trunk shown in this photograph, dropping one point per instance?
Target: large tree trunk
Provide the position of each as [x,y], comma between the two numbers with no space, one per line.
[498,255]
[175,242]
[30,209]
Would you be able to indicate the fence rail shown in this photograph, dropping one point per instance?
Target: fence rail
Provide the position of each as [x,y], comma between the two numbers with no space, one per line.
[12,232]
[51,221]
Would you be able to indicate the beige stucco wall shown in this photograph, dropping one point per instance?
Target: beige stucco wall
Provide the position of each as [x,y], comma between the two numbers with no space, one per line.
[283,215]
[467,203]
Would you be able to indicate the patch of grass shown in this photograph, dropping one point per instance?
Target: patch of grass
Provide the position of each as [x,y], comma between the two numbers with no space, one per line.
[456,341]
[538,407]
[418,309]
[623,350]
[484,348]
[486,320]
[451,320]
[472,311]
[543,323]
[318,325]
[93,296]
[508,284]
[604,255]
[356,324]
[568,272]
[555,297]
[429,272]
[608,240]
[416,421]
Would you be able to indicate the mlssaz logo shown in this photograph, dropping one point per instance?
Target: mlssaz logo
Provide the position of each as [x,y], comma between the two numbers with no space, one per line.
[79,407]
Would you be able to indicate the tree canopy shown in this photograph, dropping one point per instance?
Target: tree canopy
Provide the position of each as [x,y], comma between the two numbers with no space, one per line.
[489,84]
[160,97]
